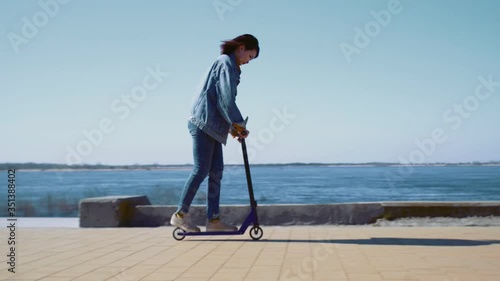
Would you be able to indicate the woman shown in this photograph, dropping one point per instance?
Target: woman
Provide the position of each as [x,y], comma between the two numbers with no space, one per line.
[213,116]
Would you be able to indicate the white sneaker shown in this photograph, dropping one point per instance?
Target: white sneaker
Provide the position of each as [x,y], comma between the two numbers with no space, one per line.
[218,225]
[183,221]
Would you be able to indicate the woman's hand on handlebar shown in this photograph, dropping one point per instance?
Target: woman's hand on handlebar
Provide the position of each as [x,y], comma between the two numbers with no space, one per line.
[243,135]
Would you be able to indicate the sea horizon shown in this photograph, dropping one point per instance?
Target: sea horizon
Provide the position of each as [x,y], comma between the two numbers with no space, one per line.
[33,166]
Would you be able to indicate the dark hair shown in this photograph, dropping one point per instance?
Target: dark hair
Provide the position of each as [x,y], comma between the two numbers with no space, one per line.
[247,40]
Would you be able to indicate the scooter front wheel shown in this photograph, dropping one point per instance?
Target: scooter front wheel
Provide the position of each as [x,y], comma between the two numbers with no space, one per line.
[256,232]
[178,234]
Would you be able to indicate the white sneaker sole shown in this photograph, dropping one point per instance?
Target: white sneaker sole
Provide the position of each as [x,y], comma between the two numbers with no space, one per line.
[187,229]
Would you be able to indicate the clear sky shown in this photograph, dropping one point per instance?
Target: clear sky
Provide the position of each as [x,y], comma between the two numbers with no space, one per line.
[112,82]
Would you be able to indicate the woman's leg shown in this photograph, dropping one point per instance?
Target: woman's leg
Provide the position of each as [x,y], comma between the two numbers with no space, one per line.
[203,148]
[214,181]
[213,198]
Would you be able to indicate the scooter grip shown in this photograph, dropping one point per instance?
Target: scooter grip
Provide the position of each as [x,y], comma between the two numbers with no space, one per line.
[237,129]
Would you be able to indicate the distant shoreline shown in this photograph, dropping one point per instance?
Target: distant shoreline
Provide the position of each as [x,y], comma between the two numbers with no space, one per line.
[44,167]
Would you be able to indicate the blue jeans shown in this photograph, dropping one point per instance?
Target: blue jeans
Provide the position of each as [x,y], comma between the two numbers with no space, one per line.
[208,161]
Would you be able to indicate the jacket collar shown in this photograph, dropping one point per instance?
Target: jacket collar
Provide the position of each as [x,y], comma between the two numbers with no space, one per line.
[233,60]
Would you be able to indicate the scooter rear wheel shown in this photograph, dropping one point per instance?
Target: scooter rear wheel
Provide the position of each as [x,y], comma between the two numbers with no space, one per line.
[178,234]
[256,232]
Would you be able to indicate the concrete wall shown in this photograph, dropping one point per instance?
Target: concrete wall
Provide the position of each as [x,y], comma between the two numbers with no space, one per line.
[110,211]
[360,213]
[136,211]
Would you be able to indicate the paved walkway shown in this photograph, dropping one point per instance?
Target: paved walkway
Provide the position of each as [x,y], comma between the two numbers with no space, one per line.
[284,253]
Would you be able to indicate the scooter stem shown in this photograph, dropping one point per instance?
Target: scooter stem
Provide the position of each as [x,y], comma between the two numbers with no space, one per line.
[253,203]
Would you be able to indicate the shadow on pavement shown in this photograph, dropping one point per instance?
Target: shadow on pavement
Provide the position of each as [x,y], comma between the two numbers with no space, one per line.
[372,241]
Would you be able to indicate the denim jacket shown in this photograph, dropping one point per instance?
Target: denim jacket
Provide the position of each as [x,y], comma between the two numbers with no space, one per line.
[215,110]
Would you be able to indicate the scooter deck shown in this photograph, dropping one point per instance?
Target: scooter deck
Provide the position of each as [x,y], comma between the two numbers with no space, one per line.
[250,219]
[214,233]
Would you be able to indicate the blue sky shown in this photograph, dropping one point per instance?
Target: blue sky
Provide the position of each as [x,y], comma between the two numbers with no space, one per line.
[409,91]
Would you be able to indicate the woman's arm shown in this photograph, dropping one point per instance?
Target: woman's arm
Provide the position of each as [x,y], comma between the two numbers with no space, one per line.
[226,96]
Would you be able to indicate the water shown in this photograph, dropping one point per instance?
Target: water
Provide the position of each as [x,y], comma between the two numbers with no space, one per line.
[51,193]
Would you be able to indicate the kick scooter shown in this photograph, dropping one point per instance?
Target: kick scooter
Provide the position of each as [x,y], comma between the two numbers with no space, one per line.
[255,232]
